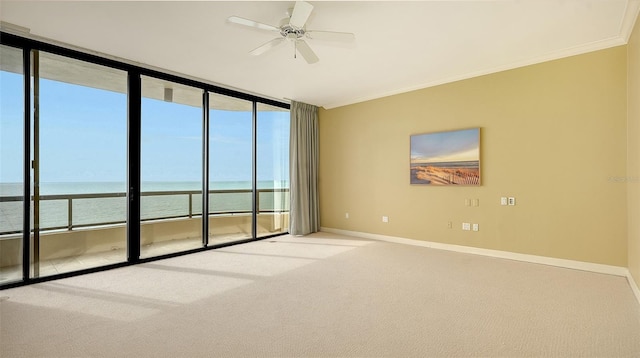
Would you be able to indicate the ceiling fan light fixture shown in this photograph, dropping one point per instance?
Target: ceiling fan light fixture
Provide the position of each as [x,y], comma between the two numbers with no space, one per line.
[291,32]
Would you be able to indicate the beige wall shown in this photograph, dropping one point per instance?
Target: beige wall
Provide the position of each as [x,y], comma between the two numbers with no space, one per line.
[553,136]
[633,168]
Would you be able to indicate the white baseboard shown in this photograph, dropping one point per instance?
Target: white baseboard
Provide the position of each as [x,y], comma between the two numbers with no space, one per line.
[551,261]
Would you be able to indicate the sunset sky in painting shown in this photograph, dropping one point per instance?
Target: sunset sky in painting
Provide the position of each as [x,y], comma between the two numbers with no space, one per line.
[455,146]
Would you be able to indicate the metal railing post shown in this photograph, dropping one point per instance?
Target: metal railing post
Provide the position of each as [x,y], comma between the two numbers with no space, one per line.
[258,201]
[70,214]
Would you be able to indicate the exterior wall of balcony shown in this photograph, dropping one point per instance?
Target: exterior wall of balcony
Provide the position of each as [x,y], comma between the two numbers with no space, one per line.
[60,244]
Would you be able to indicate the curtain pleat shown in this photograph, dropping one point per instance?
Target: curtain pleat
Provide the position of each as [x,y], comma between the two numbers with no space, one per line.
[304,209]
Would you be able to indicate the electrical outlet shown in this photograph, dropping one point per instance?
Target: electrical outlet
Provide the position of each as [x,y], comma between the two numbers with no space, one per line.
[512,201]
[449,225]
[475,202]
[466,226]
[385,219]
[504,201]
[476,227]
[467,202]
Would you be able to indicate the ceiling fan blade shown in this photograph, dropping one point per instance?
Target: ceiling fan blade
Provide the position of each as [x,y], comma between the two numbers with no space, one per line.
[251,23]
[266,47]
[301,12]
[306,52]
[330,35]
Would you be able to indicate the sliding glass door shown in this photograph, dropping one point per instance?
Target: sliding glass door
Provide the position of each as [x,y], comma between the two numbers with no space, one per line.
[104,163]
[171,169]
[79,164]
[273,169]
[12,147]
[230,169]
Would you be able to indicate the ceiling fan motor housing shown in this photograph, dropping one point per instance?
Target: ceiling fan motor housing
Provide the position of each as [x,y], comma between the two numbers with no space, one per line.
[289,31]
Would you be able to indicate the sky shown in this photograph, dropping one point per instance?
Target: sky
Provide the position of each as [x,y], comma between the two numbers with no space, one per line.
[83,138]
[454,146]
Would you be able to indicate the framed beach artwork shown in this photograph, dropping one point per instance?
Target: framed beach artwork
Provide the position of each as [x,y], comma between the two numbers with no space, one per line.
[446,158]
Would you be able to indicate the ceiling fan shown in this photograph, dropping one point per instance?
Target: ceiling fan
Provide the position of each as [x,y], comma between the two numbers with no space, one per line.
[293,28]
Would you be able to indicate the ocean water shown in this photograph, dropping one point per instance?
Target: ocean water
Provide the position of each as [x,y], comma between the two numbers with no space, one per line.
[96,211]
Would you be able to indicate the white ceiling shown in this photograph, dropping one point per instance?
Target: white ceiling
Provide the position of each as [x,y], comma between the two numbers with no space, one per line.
[399,46]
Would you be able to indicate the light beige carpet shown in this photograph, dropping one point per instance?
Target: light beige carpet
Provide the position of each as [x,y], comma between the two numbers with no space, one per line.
[324,295]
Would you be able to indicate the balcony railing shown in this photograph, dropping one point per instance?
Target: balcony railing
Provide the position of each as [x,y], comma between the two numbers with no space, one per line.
[171,213]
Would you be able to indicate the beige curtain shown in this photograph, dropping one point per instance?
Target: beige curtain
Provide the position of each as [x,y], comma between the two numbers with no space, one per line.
[304,216]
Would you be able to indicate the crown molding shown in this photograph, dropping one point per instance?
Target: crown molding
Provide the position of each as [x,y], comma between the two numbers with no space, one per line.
[627,23]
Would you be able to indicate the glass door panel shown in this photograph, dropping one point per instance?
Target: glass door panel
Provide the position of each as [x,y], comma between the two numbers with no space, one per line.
[79,172]
[273,169]
[171,168]
[230,169]
[11,163]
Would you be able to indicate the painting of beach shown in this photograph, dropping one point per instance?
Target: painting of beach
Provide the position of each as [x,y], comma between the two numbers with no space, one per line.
[446,158]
